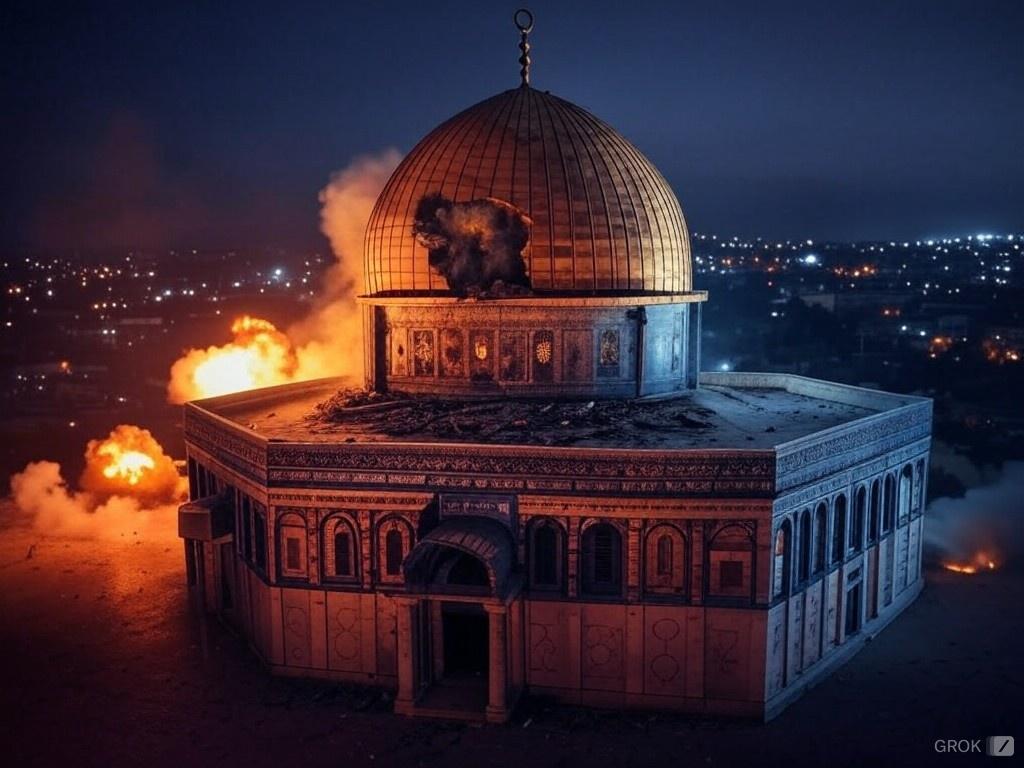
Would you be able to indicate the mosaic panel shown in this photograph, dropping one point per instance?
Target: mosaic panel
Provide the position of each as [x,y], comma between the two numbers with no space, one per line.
[513,356]
[609,353]
[542,356]
[481,355]
[423,353]
[452,355]
[398,352]
[577,355]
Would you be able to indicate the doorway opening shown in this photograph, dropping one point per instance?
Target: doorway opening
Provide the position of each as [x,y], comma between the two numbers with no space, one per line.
[465,639]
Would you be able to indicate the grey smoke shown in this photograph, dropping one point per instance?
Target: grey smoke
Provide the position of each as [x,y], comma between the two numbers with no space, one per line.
[477,246]
[987,519]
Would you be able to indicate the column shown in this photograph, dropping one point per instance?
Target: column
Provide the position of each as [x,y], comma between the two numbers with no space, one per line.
[497,684]
[405,619]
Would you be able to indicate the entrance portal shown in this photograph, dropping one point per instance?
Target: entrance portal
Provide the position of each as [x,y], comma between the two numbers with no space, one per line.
[465,631]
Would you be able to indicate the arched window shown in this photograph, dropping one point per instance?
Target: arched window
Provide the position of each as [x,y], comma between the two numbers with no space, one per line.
[820,537]
[665,561]
[860,505]
[839,529]
[664,556]
[918,505]
[393,552]
[546,559]
[783,548]
[906,490]
[343,560]
[876,510]
[394,542]
[602,560]
[730,563]
[291,546]
[340,559]
[259,529]
[805,545]
[889,510]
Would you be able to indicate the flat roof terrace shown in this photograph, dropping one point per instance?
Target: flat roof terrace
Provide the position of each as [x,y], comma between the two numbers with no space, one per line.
[729,411]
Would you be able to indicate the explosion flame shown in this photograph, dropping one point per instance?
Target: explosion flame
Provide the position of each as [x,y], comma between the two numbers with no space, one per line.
[328,342]
[258,356]
[126,465]
[129,484]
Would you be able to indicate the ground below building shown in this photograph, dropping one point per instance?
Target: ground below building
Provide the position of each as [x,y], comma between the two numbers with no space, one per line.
[103,664]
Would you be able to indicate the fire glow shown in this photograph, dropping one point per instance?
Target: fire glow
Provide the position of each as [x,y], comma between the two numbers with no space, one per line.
[129,461]
[129,484]
[129,466]
[328,341]
[259,356]
[981,562]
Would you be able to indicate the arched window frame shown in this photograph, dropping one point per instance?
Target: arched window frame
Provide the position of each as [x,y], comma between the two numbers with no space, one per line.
[889,503]
[804,544]
[838,528]
[820,539]
[860,507]
[292,541]
[782,558]
[875,511]
[335,523]
[389,525]
[918,505]
[590,585]
[666,560]
[542,526]
[732,543]
[904,493]
[260,529]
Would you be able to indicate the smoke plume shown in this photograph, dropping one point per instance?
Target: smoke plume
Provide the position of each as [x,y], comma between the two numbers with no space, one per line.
[129,485]
[477,246]
[986,520]
[328,342]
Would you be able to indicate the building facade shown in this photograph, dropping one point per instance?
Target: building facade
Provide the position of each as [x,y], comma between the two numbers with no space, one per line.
[712,543]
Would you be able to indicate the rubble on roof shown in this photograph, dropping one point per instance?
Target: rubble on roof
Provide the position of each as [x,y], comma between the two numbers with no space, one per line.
[538,422]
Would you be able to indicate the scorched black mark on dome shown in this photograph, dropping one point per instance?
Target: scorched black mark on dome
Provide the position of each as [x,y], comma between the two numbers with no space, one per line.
[477,245]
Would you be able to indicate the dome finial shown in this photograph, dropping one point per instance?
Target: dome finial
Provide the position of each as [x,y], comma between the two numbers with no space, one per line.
[524,23]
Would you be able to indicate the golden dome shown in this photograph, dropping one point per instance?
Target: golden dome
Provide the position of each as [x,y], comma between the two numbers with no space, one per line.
[600,216]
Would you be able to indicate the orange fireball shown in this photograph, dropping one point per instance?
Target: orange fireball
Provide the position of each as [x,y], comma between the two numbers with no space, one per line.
[258,356]
[129,461]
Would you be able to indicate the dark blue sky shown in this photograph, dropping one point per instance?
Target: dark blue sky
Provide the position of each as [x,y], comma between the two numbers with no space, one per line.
[215,124]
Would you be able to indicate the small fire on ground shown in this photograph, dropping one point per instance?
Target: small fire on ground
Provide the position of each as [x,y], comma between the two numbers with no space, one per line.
[981,562]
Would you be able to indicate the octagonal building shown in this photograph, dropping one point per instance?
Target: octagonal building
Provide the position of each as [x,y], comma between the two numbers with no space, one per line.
[537,492]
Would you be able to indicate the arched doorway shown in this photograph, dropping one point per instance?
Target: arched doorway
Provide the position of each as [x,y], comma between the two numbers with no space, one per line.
[457,580]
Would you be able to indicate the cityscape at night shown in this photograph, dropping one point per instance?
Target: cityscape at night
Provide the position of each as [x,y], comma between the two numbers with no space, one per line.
[404,385]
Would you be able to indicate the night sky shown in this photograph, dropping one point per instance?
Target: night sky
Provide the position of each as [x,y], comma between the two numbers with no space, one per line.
[215,124]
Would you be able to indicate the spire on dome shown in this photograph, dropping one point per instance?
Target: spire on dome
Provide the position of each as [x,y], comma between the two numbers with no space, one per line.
[524,23]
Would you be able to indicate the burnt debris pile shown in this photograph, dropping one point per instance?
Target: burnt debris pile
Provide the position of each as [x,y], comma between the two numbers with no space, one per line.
[508,421]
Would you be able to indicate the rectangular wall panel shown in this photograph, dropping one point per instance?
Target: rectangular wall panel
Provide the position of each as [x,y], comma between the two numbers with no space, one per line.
[603,647]
[295,611]
[345,631]
[548,654]
[776,659]
[727,672]
[812,624]
[665,650]
[387,637]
